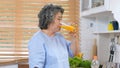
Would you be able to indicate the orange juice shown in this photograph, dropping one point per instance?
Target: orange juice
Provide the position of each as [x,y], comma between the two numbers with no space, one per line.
[68,27]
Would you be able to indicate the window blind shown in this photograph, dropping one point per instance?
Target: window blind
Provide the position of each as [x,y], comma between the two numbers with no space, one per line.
[18,22]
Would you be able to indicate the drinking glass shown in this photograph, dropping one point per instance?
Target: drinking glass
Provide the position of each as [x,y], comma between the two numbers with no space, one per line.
[67,26]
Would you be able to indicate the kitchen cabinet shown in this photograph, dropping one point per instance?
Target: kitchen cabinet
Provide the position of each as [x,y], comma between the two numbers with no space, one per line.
[97,14]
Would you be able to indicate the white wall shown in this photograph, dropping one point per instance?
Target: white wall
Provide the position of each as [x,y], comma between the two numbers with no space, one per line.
[86,38]
[10,66]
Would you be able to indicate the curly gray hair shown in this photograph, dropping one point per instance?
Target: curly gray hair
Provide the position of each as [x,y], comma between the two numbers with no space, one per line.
[47,14]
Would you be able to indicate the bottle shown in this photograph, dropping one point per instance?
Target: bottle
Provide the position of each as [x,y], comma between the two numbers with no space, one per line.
[95,63]
[68,27]
[110,26]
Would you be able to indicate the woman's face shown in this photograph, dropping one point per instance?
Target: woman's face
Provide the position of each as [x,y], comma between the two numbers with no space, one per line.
[56,25]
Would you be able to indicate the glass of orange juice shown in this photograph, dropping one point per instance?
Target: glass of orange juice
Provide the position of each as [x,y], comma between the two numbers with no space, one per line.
[67,26]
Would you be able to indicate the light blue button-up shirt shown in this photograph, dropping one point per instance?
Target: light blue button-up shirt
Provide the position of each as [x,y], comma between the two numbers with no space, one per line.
[49,52]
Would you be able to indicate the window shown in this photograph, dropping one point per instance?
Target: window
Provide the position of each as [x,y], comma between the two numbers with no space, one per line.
[18,22]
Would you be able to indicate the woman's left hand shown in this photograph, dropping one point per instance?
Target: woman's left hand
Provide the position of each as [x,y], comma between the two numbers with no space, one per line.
[73,34]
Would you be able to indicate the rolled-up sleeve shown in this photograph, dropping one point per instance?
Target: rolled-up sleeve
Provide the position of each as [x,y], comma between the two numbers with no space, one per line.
[36,53]
[70,52]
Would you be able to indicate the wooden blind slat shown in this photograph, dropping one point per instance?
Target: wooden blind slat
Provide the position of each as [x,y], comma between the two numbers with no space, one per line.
[13,54]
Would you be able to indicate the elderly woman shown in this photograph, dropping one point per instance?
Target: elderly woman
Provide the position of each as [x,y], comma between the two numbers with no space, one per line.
[48,48]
